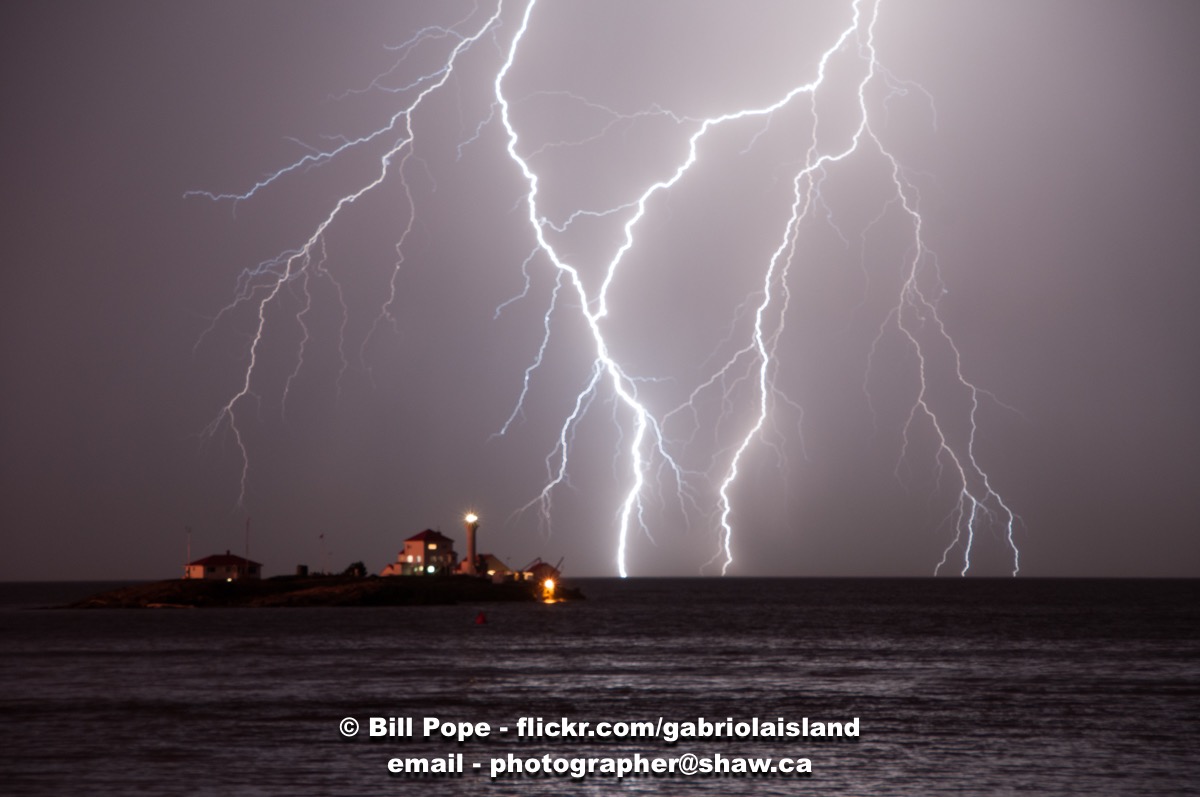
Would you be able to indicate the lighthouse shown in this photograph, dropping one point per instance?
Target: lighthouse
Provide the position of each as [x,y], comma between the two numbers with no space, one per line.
[472,523]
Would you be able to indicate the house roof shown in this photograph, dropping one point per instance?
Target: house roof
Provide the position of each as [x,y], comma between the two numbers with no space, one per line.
[492,562]
[429,535]
[542,569]
[224,560]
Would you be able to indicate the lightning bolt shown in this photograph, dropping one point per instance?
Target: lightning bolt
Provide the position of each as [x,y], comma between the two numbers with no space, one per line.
[297,264]
[655,444]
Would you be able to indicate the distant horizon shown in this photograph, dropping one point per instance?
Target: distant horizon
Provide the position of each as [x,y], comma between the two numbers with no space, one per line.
[568,577]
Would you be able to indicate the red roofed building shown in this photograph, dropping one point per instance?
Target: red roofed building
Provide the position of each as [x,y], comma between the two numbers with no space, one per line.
[538,571]
[223,567]
[427,553]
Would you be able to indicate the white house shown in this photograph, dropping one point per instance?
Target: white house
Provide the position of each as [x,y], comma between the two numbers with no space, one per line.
[426,553]
[223,567]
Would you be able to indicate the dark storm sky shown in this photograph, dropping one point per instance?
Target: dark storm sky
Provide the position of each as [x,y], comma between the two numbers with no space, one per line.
[1055,153]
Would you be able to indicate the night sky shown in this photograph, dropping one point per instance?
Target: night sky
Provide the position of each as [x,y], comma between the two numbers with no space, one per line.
[1051,146]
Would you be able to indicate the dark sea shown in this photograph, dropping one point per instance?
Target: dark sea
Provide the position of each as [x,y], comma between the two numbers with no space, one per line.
[989,687]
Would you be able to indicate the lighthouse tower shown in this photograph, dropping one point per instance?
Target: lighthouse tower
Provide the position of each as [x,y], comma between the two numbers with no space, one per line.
[472,523]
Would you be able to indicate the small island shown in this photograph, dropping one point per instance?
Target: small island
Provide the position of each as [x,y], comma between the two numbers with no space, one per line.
[317,590]
[426,572]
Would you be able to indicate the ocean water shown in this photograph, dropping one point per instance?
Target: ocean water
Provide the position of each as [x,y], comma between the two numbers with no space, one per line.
[989,687]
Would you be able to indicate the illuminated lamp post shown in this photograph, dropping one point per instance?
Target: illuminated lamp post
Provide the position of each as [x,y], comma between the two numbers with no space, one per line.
[472,521]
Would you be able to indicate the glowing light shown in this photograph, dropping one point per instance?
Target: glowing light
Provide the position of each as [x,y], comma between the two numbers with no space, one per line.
[743,383]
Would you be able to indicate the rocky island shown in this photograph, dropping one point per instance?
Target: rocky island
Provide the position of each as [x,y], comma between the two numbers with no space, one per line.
[340,590]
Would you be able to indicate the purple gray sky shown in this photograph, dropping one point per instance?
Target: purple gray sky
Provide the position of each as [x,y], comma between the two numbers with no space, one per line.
[1050,149]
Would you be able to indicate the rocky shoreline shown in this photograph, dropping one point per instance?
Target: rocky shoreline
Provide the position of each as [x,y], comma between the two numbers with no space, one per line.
[285,591]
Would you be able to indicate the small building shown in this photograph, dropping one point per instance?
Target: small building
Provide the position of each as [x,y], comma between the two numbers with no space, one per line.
[427,553]
[489,565]
[223,567]
[538,571]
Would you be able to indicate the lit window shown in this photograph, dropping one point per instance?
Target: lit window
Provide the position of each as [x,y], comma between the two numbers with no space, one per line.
[433,546]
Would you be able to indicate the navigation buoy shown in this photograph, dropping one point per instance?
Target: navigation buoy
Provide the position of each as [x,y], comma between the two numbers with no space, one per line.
[480,618]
